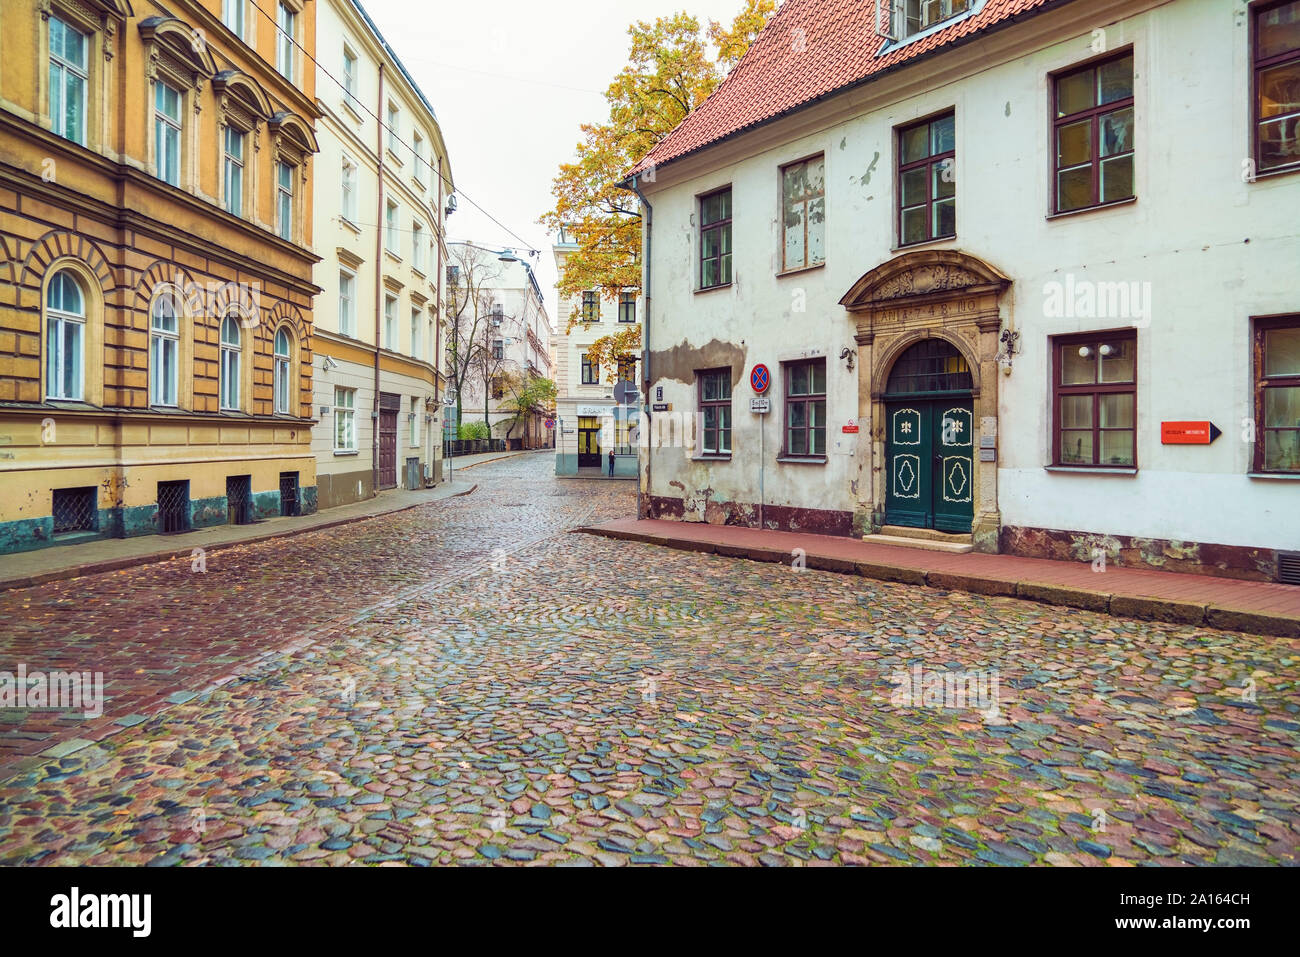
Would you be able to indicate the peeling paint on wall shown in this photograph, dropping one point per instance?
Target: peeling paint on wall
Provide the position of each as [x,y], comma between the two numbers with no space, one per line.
[782,518]
[865,178]
[1230,561]
[681,361]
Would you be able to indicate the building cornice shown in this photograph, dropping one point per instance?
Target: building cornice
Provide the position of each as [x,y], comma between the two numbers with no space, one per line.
[29,184]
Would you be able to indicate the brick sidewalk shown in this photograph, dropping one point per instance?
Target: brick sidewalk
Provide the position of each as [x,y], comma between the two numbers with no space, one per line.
[1264,608]
[59,562]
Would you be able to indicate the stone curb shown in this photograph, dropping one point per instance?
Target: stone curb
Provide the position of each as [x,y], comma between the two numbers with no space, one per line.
[1125,606]
[116,564]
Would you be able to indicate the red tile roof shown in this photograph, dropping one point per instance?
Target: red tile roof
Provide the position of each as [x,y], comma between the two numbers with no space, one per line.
[809,49]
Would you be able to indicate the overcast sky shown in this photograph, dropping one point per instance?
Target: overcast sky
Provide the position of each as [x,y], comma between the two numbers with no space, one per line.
[511,81]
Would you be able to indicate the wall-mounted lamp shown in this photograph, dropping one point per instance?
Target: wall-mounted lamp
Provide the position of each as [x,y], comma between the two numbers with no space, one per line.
[847,355]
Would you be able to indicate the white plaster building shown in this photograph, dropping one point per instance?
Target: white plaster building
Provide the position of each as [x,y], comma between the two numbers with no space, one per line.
[381,190]
[521,332]
[994,263]
[590,420]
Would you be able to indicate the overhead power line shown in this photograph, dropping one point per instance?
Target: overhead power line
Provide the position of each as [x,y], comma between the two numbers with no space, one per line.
[354,99]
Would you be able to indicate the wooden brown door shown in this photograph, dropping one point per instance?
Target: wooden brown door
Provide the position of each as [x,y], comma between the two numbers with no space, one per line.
[389,406]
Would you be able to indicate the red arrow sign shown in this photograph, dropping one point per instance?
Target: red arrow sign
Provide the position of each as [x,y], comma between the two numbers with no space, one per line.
[1188,433]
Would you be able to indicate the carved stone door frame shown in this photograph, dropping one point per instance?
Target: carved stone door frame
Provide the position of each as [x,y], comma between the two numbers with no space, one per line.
[929,293]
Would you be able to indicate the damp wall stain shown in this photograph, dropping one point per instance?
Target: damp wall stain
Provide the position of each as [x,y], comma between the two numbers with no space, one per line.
[680,362]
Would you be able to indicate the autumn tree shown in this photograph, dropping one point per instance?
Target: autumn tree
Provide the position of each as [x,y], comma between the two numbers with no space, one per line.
[529,395]
[672,67]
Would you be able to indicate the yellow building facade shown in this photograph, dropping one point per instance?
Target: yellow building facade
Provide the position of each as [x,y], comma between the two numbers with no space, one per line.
[155,266]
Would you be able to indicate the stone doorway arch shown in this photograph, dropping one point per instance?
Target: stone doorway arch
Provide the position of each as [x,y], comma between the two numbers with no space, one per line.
[941,293]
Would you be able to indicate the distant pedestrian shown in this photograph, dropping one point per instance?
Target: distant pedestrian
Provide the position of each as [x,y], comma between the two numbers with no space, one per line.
[611,463]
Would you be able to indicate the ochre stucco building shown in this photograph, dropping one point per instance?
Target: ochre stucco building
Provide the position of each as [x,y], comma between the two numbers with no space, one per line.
[155,266]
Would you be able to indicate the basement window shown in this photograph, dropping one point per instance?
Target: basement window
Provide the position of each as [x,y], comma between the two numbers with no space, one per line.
[75,510]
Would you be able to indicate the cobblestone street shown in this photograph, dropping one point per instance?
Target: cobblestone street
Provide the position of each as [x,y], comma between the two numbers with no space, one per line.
[467,682]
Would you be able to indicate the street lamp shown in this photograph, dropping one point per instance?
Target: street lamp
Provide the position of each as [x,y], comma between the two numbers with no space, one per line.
[449,403]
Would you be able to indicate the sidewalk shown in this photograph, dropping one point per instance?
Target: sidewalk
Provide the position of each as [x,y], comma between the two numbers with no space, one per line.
[23,569]
[469,461]
[1264,608]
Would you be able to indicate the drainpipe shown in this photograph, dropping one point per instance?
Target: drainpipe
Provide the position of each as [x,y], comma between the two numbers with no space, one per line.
[645,350]
[379,282]
[436,444]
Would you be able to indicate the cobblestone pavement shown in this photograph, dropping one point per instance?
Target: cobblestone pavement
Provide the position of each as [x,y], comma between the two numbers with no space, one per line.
[467,683]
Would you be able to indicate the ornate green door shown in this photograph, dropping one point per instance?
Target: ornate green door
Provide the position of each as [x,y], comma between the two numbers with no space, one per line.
[930,440]
[954,467]
[909,450]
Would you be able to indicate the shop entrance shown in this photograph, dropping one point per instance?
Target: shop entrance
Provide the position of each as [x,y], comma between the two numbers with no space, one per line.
[588,442]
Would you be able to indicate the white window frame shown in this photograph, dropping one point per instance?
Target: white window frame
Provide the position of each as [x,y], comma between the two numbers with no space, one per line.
[417,154]
[168,133]
[417,243]
[394,124]
[392,241]
[347,295]
[416,316]
[281,376]
[164,345]
[231,382]
[232,170]
[390,323]
[286,29]
[59,322]
[283,200]
[348,190]
[345,417]
[413,432]
[233,15]
[60,70]
[350,64]
[898,19]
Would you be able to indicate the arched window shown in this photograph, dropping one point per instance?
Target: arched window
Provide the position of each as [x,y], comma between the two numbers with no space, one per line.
[932,365]
[65,306]
[164,350]
[231,348]
[282,370]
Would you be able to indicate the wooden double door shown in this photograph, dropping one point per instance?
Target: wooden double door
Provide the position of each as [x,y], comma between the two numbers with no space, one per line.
[929,453]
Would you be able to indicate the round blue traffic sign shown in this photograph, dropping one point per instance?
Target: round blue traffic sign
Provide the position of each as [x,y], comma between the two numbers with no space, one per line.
[760,378]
